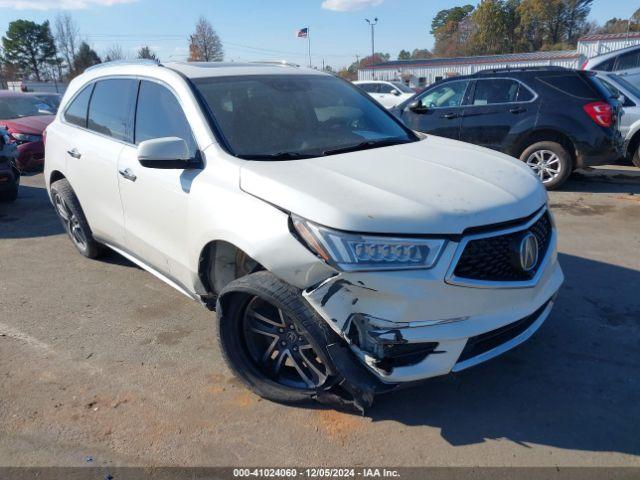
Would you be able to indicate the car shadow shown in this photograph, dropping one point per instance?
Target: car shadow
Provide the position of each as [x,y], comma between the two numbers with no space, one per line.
[32,215]
[574,385]
[611,182]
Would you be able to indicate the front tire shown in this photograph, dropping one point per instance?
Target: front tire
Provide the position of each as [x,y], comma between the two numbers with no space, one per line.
[550,161]
[272,340]
[73,220]
[11,194]
[635,158]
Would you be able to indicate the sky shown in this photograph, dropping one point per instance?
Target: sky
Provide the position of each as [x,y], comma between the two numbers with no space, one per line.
[259,29]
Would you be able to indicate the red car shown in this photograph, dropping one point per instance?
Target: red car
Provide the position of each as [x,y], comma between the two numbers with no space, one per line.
[26,117]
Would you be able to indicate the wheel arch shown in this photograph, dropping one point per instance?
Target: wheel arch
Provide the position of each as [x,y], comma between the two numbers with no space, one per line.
[55,176]
[633,144]
[545,135]
[220,262]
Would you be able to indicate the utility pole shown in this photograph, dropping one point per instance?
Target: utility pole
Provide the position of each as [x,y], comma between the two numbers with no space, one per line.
[372,24]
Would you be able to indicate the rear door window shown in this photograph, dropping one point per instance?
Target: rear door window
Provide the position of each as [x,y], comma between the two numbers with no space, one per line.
[386,88]
[111,108]
[628,60]
[160,115]
[605,66]
[495,91]
[76,113]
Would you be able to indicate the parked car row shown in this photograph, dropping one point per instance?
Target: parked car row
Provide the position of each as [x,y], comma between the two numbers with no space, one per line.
[25,117]
[554,119]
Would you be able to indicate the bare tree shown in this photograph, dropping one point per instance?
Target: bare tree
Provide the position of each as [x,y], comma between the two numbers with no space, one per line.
[204,44]
[114,52]
[67,37]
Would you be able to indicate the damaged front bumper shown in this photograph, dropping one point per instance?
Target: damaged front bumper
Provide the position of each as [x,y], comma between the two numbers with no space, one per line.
[407,326]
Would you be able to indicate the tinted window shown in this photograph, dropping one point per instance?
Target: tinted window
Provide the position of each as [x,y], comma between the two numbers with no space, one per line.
[628,60]
[386,88]
[76,113]
[160,115]
[571,84]
[111,108]
[524,94]
[369,87]
[285,116]
[494,91]
[448,94]
[605,66]
[402,87]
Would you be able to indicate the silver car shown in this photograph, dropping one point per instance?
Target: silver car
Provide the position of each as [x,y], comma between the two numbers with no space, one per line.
[629,95]
[622,60]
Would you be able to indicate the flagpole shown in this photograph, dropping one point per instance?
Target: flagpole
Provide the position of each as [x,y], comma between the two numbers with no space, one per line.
[309,41]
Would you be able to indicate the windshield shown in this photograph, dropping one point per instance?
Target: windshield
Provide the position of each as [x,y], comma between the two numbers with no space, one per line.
[53,100]
[627,85]
[297,116]
[22,106]
[402,87]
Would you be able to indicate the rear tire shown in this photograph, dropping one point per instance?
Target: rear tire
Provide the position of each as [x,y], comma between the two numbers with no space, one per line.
[73,220]
[550,161]
[290,330]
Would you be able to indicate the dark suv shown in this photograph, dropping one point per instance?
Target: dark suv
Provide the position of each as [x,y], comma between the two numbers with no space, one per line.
[552,118]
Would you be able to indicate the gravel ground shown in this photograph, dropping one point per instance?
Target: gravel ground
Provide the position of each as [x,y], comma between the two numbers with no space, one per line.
[103,364]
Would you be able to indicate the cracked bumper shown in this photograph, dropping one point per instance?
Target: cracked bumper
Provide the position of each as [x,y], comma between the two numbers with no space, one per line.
[428,323]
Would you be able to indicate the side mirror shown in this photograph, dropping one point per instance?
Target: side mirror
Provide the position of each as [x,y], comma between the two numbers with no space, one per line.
[396,93]
[417,107]
[165,153]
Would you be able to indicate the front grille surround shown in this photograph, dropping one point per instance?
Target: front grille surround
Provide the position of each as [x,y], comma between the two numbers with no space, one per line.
[490,244]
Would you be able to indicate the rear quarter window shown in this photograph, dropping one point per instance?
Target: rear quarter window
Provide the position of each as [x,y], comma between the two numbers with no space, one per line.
[571,84]
[76,113]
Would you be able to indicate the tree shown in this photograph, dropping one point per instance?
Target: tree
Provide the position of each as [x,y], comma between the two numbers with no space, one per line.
[455,15]
[374,59]
[67,38]
[114,52]
[30,46]
[620,25]
[421,54]
[451,29]
[404,55]
[147,53]
[575,18]
[204,44]
[489,33]
[85,58]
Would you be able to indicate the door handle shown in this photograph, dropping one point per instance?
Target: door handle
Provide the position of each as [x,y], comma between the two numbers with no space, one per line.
[449,116]
[128,174]
[74,153]
[517,110]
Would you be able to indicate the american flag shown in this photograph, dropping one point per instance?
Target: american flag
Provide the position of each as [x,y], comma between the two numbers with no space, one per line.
[303,32]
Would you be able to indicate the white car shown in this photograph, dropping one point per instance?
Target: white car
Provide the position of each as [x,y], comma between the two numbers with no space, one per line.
[388,94]
[344,255]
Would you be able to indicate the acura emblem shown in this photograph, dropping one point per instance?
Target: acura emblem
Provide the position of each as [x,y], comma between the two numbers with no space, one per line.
[528,252]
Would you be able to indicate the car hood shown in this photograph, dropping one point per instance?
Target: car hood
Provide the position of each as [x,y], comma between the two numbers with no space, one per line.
[436,186]
[34,125]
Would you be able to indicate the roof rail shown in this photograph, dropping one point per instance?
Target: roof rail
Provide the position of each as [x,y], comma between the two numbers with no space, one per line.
[140,61]
[282,63]
[490,71]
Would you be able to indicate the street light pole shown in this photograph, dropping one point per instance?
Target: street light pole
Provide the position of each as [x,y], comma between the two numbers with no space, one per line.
[373,44]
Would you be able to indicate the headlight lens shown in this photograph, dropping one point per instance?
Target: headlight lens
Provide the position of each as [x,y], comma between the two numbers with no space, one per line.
[26,138]
[351,251]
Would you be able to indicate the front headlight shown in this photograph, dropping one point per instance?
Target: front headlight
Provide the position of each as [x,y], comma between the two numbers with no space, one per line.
[351,251]
[26,138]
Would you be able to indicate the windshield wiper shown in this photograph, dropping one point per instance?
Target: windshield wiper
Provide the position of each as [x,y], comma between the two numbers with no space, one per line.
[365,145]
[277,156]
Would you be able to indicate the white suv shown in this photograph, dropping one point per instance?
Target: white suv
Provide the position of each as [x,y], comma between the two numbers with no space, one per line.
[388,94]
[344,255]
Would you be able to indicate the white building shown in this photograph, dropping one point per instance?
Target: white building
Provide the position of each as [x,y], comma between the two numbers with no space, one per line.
[424,72]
